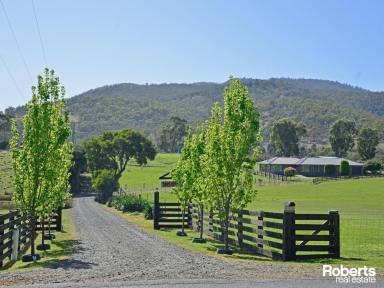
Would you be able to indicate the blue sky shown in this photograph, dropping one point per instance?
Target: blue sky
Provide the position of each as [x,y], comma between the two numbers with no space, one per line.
[94,43]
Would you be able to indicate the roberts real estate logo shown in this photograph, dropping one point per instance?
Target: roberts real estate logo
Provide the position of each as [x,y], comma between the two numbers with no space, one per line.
[350,275]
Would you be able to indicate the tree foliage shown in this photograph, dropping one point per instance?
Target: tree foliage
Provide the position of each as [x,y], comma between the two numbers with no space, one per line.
[290,171]
[344,169]
[231,138]
[188,173]
[5,130]
[42,158]
[171,136]
[341,137]
[367,142]
[146,108]
[112,150]
[285,137]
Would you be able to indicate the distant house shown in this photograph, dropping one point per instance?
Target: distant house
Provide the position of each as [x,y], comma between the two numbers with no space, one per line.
[308,166]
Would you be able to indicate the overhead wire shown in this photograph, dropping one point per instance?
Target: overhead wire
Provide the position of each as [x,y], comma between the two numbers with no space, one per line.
[39,33]
[12,78]
[16,41]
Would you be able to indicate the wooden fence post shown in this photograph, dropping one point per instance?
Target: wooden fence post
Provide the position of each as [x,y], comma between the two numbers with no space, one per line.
[1,242]
[289,241]
[260,227]
[156,211]
[59,222]
[335,233]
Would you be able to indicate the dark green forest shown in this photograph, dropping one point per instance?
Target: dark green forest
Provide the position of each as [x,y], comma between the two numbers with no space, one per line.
[316,103]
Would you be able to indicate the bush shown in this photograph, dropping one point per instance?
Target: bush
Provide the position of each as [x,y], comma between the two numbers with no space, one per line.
[289,171]
[330,170]
[372,167]
[104,184]
[148,212]
[344,169]
[129,203]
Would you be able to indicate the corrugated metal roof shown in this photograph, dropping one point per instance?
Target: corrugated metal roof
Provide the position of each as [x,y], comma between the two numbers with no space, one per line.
[323,160]
[326,161]
[281,161]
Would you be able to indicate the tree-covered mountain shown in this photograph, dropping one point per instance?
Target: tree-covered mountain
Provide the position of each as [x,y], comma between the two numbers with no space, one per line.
[317,103]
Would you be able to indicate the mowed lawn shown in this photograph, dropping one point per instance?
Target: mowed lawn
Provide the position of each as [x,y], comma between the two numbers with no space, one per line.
[147,176]
[6,172]
[360,203]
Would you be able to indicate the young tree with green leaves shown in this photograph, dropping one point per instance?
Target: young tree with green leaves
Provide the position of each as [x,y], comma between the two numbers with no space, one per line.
[285,137]
[231,139]
[184,178]
[43,152]
[342,137]
[112,150]
[367,141]
[199,191]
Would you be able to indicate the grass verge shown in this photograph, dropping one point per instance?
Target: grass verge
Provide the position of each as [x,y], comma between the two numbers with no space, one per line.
[62,247]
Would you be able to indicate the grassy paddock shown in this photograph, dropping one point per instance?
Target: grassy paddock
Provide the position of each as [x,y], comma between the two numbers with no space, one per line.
[239,256]
[139,177]
[360,203]
[62,247]
[6,172]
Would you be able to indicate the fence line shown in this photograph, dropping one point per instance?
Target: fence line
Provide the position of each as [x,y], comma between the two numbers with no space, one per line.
[286,236]
[15,229]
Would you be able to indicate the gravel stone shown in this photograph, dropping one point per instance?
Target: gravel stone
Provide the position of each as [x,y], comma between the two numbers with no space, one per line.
[112,250]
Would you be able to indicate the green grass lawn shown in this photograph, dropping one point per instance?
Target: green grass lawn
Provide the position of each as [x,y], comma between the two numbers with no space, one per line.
[139,177]
[61,248]
[360,203]
[6,172]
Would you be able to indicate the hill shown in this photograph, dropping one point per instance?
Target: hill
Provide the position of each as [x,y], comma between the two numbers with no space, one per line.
[317,103]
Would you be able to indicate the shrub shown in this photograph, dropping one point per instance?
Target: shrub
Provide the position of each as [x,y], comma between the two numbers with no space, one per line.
[289,171]
[330,170]
[104,183]
[344,168]
[129,203]
[372,167]
[148,212]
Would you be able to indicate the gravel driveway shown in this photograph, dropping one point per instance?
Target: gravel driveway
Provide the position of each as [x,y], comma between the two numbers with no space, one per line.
[112,250]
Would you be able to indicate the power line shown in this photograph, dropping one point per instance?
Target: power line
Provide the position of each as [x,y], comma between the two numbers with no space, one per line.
[39,32]
[17,42]
[12,78]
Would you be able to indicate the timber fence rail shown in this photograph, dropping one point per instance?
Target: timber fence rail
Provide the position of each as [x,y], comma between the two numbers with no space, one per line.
[15,233]
[281,236]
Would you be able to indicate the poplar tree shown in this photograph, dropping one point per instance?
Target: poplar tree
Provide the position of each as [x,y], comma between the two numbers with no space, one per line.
[41,159]
[199,189]
[183,176]
[231,138]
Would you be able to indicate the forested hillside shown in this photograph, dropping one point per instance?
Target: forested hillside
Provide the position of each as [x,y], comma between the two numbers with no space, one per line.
[317,103]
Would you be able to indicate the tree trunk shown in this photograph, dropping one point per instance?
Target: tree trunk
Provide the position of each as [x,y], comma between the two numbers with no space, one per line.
[42,229]
[201,221]
[226,224]
[49,225]
[33,234]
[182,220]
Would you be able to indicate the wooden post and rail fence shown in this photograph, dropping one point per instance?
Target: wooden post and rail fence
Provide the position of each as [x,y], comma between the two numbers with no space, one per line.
[15,233]
[283,236]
